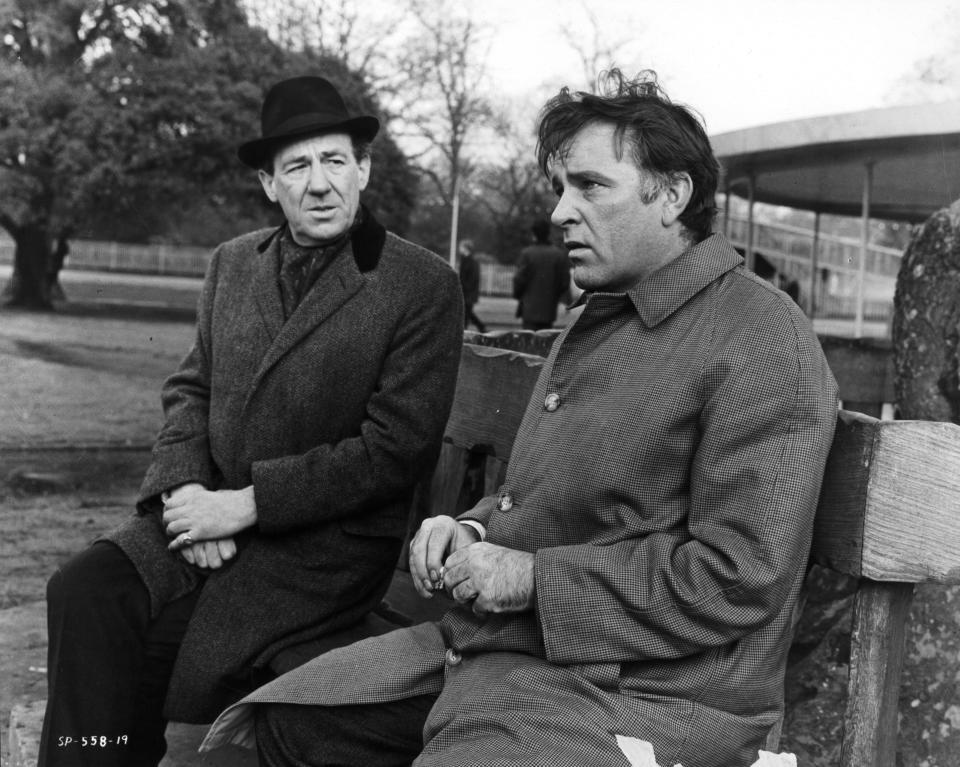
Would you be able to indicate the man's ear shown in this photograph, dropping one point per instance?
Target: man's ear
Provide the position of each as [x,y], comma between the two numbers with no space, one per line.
[677,196]
[364,169]
[266,181]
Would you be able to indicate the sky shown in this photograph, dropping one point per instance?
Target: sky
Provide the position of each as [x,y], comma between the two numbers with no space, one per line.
[739,63]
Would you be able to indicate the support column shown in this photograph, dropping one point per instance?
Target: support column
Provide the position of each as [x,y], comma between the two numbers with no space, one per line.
[814,269]
[750,202]
[864,245]
[726,209]
[455,221]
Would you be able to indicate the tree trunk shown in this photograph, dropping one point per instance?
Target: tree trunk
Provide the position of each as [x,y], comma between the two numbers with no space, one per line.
[926,321]
[29,287]
[926,330]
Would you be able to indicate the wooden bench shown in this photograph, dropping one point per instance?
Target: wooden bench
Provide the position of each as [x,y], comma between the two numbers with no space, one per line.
[888,513]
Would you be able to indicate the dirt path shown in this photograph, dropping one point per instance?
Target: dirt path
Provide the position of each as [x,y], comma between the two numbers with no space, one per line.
[67,380]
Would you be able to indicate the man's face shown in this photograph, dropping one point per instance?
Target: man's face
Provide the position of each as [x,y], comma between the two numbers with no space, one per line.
[317,182]
[612,237]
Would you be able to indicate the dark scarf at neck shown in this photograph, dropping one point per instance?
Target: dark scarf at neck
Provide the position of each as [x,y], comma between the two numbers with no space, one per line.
[301,266]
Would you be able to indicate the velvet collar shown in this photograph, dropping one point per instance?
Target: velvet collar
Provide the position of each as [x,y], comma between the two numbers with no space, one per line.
[366,241]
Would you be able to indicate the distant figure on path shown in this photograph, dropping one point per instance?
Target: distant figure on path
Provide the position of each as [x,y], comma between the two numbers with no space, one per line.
[542,279]
[470,284]
[277,499]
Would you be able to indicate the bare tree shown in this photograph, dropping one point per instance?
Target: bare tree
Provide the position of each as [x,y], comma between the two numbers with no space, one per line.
[438,97]
[595,51]
[336,29]
[935,77]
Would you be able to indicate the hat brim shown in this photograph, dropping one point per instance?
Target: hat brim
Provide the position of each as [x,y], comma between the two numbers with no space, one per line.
[254,153]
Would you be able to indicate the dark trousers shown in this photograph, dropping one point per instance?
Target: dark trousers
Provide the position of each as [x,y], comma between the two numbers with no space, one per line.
[380,735]
[108,664]
[470,315]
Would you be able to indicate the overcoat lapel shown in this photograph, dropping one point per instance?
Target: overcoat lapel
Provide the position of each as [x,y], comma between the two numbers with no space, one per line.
[266,288]
[339,282]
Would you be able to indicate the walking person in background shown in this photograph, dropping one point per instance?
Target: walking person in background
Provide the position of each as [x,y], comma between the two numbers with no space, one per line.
[279,489]
[542,279]
[470,284]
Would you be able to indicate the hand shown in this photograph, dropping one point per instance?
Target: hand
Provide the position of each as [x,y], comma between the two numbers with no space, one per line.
[181,491]
[210,554]
[208,514]
[437,538]
[496,579]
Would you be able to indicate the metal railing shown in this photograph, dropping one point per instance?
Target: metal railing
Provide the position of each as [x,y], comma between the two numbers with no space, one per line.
[836,290]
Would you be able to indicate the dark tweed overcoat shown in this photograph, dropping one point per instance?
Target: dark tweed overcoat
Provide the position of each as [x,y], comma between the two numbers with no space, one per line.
[333,416]
[666,475]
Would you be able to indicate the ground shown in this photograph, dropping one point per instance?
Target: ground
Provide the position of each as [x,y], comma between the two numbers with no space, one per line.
[79,406]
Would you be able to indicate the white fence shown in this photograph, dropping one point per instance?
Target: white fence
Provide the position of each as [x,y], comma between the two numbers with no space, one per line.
[495,279]
[789,248]
[126,257]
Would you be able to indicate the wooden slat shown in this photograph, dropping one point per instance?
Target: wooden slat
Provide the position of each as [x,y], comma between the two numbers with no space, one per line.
[492,393]
[863,368]
[890,498]
[911,529]
[447,483]
[876,656]
[838,530]
[536,342]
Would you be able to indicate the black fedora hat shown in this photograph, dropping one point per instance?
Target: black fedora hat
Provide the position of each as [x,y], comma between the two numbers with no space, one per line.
[297,107]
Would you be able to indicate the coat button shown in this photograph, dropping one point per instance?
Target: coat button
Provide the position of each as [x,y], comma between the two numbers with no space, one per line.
[505,503]
[552,402]
[452,657]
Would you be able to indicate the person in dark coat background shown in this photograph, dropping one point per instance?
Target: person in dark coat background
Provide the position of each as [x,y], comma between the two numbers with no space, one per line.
[278,495]
[541,280]
[470,284]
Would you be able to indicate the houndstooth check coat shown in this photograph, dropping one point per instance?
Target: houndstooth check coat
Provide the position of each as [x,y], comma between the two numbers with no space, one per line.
[666,474]
[332,415]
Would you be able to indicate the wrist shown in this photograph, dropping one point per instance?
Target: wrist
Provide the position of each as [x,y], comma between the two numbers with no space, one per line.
[248,503]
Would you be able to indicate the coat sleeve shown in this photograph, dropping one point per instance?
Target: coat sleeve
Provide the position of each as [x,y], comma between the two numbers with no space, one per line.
[766,430]
[399,437]
[181,452]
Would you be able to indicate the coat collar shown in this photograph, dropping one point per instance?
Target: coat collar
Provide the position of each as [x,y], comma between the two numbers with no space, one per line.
[672,285]
[366,242]
[338,283]
[366,245]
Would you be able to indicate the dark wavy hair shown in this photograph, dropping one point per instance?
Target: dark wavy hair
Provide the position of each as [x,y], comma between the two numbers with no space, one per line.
[665,138]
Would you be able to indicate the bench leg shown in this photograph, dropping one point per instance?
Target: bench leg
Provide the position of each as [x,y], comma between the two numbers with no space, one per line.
[876,656]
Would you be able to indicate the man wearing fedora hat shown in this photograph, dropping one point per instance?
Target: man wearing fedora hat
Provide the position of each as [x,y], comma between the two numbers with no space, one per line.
[277,498]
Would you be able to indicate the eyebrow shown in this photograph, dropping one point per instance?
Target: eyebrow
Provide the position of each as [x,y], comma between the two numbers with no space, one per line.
[576,176]
[305,156]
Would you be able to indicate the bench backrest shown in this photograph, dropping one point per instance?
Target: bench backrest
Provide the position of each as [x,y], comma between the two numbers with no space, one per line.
[887,512]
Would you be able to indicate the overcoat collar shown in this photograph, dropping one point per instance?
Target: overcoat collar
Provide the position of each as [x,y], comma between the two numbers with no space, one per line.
[339,282]
[366,245]
[672,285]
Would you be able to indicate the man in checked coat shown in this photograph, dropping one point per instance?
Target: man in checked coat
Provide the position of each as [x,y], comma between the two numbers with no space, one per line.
[278,496]
[635,579]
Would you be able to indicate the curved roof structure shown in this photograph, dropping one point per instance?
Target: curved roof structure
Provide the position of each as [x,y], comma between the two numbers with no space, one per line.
[819,163]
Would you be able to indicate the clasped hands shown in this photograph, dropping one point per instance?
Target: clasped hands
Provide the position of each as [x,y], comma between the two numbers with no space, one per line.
[202,522]
[493,579]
